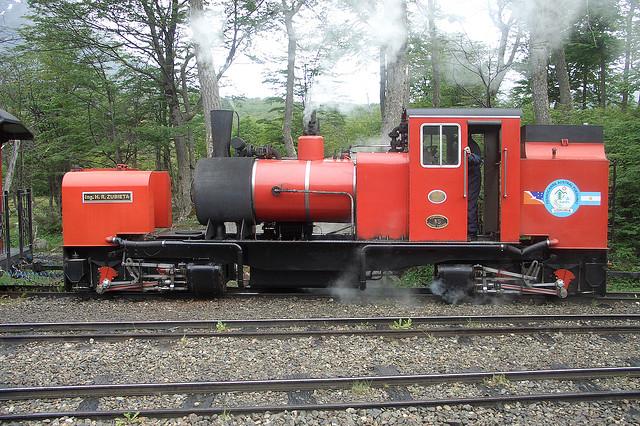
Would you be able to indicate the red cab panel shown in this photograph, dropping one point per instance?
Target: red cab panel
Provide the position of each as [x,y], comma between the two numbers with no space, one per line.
[566,199]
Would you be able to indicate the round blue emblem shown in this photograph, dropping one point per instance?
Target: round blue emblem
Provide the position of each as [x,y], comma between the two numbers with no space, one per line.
[562,198]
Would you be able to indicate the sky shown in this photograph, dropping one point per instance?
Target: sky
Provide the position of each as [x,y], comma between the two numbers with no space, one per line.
[355,83]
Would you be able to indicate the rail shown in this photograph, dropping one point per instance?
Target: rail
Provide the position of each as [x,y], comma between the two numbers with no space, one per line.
[284,333]
[475,401]
[294,384]
[298,322]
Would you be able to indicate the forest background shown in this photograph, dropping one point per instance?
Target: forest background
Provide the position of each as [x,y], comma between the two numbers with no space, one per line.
[105,82]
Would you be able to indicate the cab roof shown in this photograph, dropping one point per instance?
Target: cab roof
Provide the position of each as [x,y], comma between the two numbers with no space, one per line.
[465,112]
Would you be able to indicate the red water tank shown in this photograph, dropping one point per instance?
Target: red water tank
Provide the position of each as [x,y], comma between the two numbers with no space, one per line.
[303,191]
[383,195]
[101,203]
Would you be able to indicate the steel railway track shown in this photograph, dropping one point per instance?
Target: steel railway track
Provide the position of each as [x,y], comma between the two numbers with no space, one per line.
[288,385]
[392,327]
[482,401]
[284,385]
[298,322]
[397,334]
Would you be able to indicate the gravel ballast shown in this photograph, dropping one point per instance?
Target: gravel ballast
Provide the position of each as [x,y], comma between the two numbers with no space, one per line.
[200,359]
[121,309]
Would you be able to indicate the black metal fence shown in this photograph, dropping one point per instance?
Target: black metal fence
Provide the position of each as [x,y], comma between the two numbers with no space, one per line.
[23,209]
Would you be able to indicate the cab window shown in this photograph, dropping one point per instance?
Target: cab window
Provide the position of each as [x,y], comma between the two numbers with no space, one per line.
[440,145]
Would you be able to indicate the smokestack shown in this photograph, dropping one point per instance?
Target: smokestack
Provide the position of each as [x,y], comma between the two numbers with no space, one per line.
[312,126]
[221,124]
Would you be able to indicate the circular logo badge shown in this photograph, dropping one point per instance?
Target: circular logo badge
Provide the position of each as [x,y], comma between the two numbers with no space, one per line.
[437,221]
[437,196]
[562,198]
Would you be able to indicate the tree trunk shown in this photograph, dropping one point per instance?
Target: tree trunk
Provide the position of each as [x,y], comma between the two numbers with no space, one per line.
[182,187]
[602,81]
[183,177]
[563,78]
[538,57]
[435,55]
[134,157]
[51,191]
[383,80]
[288,102]
[397,82]
[166,159]
[209,88]
[11,167]
[21,183]
[117,154]
[113,128]
[57,190]
[584,88]
[159,157]
[191,148]
[627,53]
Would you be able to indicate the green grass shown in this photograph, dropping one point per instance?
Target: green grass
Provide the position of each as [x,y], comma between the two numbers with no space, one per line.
[47,224]
[419,276]
[402,324]
[190,222]
[497,381]
[623,285]
[32,279]
[360,387]
[623,258]
[129,419]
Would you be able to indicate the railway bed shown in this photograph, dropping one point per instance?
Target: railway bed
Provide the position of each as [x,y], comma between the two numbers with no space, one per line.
[156,361]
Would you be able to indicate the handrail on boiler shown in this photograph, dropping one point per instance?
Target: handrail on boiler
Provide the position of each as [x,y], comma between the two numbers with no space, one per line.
[278,190]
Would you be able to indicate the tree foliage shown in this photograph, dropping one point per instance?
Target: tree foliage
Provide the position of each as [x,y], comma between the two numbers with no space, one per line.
[109,81]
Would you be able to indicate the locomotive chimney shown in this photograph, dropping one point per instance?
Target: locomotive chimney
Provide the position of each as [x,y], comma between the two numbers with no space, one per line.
[311,144]
[221,124]
[311,127]
[310,148]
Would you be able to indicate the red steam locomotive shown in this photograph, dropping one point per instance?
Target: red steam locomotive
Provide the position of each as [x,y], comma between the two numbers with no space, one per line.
[543,217]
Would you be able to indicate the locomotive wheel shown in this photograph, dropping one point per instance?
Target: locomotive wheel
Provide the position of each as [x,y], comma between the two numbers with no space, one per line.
[207,281]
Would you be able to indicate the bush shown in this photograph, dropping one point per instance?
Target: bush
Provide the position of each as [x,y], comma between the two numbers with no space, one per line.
[418,276]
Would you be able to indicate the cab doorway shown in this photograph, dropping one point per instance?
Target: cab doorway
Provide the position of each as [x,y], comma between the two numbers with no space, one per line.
[488,136]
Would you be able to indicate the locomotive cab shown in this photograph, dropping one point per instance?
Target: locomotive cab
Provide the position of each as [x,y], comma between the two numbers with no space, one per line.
[440,168]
